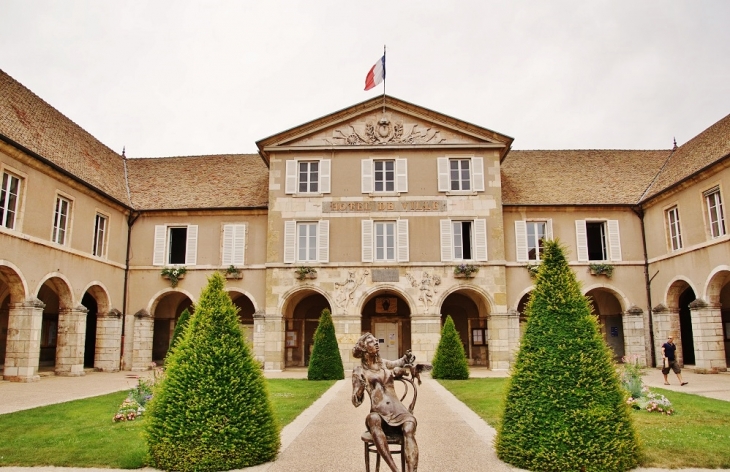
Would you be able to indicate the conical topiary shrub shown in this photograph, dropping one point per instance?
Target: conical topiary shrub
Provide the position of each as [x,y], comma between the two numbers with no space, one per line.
[565,409]
[326,362]
[212,411]
[449,361]
[180,326]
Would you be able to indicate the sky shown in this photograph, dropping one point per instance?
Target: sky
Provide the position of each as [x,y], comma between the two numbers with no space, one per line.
[176,78]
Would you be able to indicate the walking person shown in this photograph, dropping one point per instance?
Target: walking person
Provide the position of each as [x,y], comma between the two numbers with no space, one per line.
[670,361]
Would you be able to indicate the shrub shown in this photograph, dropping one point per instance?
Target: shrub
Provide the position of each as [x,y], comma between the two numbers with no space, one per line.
[326,362]
[212,410]
[564,408]
[449,361]
[180,326]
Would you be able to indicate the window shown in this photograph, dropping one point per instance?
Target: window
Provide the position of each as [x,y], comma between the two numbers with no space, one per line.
[9,198]
[460,174]
[463,240]
[307,176]
[175,245]
[530,237]
[234,245]
[715,212]
[598,240]
[60,220]
[306,241]
[100,224]
[384,176]
[385,241]
[675,234]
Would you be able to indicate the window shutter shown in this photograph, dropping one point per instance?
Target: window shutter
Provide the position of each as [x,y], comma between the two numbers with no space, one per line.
[323,241]
[290,239]
[401,175]
[446,243]
[227,256]
[367,176]
[324,175]
[239,245]
[480,240]
[191,250]
[443,173]
[614,240]
[367,240]
[521,240]
[158,257]
[403,254]
[549,229]
[477,164]
[291,176]
[581,240]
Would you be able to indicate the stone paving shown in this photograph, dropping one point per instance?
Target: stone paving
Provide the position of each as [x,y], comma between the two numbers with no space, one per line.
[326,437]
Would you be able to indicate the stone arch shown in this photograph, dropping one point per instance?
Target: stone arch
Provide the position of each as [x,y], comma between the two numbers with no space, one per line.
[680,292]
[469,307]
[60,334]
[716,281]
[609,306]
[620,296]
[674,289]
[293,296]
[96,300]
[717,295]
[522,298]
[246,305]
[387,312]
[60,284]
[14,282]
[167,307]
[367,295]
[301,310]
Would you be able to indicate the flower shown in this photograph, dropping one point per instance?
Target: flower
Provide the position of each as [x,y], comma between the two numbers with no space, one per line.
[465,270]
[174,274]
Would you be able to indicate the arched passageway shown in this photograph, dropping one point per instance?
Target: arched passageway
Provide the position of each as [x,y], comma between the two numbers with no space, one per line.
[685,326]
[91,324]
[607,308]
[388,316]
[165,316]
[4,319]
[245,314]
[302,318]
[471,323]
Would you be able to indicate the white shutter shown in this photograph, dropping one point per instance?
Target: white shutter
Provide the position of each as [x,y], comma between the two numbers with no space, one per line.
[367,240]
[227,252]
[367,176]
[291,177]
[239,245]
[549,229]
[324,175]
[443,173]
[290,241]
[323,241]
[447,254]
[480,240]
[521,240]
[401,175]
[191,249]
[402,240]
[614,241]
[581,240]
[158,256]
[477,174]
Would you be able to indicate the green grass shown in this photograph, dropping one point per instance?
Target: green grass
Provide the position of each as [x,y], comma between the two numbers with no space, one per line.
[696,436]
[81,433]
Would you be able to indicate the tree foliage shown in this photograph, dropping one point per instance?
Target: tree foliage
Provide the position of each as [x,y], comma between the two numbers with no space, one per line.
[449,361]
[180,326]
[212,411]
[326,362]
[565,408]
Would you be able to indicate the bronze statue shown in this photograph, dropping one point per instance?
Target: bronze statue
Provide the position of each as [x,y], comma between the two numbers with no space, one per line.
[387,413]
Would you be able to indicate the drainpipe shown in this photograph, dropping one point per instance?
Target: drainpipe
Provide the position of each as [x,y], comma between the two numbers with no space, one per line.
[647,281]
[130,222]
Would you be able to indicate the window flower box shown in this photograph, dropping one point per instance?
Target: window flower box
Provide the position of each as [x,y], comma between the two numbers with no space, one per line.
[465,271]
[601,269]
[173,274]
[233,273]
[302,273]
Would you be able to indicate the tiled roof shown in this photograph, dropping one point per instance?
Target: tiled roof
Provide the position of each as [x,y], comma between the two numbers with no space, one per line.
[34,124]
[590,177]
[696,154]
[221,181]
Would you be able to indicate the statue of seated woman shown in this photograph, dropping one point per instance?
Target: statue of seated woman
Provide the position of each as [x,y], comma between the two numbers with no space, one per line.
[387,414]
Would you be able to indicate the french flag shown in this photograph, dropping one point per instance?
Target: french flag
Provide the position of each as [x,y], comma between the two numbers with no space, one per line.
[376,74]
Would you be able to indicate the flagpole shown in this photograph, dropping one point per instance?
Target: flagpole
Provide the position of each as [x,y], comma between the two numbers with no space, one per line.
[385,76]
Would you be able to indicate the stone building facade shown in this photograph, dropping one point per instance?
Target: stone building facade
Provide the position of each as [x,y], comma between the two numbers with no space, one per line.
[391,215]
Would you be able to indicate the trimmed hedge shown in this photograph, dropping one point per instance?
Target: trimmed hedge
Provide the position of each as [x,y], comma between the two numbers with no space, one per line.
[180,326]
[449,361]
[326,362]
[564,408]
[212,411]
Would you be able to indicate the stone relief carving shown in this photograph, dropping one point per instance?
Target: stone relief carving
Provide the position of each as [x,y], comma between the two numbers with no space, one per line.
[426,286]
[385,132]
[345,291]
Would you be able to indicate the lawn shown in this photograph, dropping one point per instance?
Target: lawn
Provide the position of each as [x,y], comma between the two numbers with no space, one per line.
[696,436]
[81,433]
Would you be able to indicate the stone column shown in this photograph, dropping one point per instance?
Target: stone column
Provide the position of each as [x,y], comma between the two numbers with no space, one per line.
[71,341]
[347,331]
[142,343]
[634,339]
[108,341]
[503,339]
[24,341]
[666,322]
[708,337]
[259,336]
[425,336]
[274,343]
